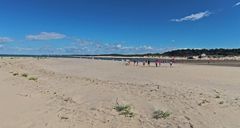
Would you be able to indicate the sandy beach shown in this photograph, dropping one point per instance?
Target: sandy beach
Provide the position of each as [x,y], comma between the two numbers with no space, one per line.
[82,93]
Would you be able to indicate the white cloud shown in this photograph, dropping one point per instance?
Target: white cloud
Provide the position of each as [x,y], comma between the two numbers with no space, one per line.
[119,46]
[45,36]
[193,17]
[237,4]
[147,47]
[81,46]
[78,46]
[82,42]
[5,39]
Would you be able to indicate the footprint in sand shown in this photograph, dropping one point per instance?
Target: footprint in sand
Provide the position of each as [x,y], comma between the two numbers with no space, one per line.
[203,102]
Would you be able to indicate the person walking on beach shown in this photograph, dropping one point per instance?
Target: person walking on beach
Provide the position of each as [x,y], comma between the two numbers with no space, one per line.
[171,64]
[134,62]
[127,62]
[156,63]
[159,63]
[144,63]
[148,62]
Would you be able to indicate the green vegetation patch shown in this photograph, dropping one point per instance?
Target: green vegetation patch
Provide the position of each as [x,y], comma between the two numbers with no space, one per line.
[33,78]
[158,114]
[15,74]
[24,75]
[124,110]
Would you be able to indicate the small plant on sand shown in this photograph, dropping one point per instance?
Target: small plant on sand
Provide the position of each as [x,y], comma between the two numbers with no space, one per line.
[24,75]
[221,102]
[124,110]
[33,78]
[15,74]
[158,114]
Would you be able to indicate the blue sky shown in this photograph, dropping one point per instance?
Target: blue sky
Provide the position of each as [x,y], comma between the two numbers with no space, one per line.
[114,26]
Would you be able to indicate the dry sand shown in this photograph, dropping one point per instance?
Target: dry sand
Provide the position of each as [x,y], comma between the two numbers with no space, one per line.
[79,93]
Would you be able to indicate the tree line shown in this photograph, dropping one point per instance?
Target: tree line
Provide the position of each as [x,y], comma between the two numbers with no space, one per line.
[198,52]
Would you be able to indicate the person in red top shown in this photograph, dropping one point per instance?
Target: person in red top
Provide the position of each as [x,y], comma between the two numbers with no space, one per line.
[144,63]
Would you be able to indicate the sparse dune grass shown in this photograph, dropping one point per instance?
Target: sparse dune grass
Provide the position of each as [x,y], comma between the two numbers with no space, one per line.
[15,74]
[124,110]
[24,75]
[221,102]
[158,114]
[33,78]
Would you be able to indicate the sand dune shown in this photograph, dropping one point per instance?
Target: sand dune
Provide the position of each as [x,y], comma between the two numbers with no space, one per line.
[79,93]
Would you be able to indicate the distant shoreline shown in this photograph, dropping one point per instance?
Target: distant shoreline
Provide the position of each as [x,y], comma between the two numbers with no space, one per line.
[182,53]
[215,62]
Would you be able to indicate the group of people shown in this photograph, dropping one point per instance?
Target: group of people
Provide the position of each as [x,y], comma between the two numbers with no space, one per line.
[148,62]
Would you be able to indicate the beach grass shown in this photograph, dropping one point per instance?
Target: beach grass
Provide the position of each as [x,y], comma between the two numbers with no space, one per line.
[124,110]
[158,114]
[24,75]
[15,74]
[33,78]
